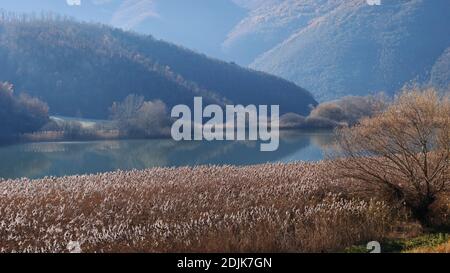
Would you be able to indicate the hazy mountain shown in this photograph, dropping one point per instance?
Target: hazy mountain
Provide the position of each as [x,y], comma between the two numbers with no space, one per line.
[333,48]
[270,22]
[200,25]
[81,69]
[351,48]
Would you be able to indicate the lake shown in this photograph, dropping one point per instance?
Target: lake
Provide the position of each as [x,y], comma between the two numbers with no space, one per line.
[36,160]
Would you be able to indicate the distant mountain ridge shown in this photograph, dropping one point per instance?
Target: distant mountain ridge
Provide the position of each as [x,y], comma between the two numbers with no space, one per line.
[270,22]
[333,48]
[185,22]
[81,69]
[347,47]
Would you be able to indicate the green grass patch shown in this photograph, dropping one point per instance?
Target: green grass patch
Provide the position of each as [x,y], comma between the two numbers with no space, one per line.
[402,245]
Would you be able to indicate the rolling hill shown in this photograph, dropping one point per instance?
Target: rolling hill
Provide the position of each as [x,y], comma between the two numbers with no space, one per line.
[178,21]
[80,69]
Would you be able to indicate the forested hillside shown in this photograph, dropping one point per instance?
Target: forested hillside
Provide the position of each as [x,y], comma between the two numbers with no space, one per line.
[80,69]
[347,47]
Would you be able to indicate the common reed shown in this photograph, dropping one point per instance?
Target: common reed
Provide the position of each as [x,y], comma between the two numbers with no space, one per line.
[266,208]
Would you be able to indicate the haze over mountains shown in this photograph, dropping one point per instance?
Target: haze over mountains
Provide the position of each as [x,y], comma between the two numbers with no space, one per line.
[351,48]
[80,69]
[332,48]
[200,25]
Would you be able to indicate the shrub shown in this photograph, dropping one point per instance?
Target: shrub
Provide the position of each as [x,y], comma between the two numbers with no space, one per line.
[335,114]
[350,110]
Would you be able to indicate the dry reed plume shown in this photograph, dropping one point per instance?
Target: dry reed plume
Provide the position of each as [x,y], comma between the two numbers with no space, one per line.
[266,208]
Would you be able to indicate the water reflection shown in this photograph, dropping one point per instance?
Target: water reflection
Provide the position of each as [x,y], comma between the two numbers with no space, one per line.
[67,158]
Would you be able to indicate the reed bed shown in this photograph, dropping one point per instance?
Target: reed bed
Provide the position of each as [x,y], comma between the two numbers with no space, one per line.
[266,208]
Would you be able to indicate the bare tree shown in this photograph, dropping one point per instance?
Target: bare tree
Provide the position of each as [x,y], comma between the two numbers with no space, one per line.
[126,109]
[152,118]
[139,118]
[405,149]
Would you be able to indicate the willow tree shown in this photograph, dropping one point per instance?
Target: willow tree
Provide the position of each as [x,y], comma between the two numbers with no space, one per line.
[405,149]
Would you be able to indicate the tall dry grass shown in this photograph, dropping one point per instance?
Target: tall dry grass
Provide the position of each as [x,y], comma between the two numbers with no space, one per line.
[265,208]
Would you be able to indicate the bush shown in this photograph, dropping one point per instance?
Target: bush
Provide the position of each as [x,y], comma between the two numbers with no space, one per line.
[334,114]
[349,110]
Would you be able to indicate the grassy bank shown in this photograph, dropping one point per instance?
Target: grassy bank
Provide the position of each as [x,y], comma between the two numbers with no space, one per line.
[426,243]
[265,208]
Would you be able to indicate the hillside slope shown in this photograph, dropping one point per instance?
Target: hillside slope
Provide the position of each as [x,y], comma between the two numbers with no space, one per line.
[81,69]
[178,21]
[270,22]
[351,48]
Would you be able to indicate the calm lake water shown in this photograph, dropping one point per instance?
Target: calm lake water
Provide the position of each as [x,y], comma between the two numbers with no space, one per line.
[36,160]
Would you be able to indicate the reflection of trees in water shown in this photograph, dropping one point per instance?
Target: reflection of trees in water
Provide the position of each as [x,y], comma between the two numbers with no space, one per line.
[103,156]
[206,152]
[141,154]
[63,158]
[323,140]
[323,137]
[40,159]
[16,163]
[238,152]
[44,148]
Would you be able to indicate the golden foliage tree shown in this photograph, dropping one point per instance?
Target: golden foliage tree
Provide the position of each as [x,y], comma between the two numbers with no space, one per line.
[405,149]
